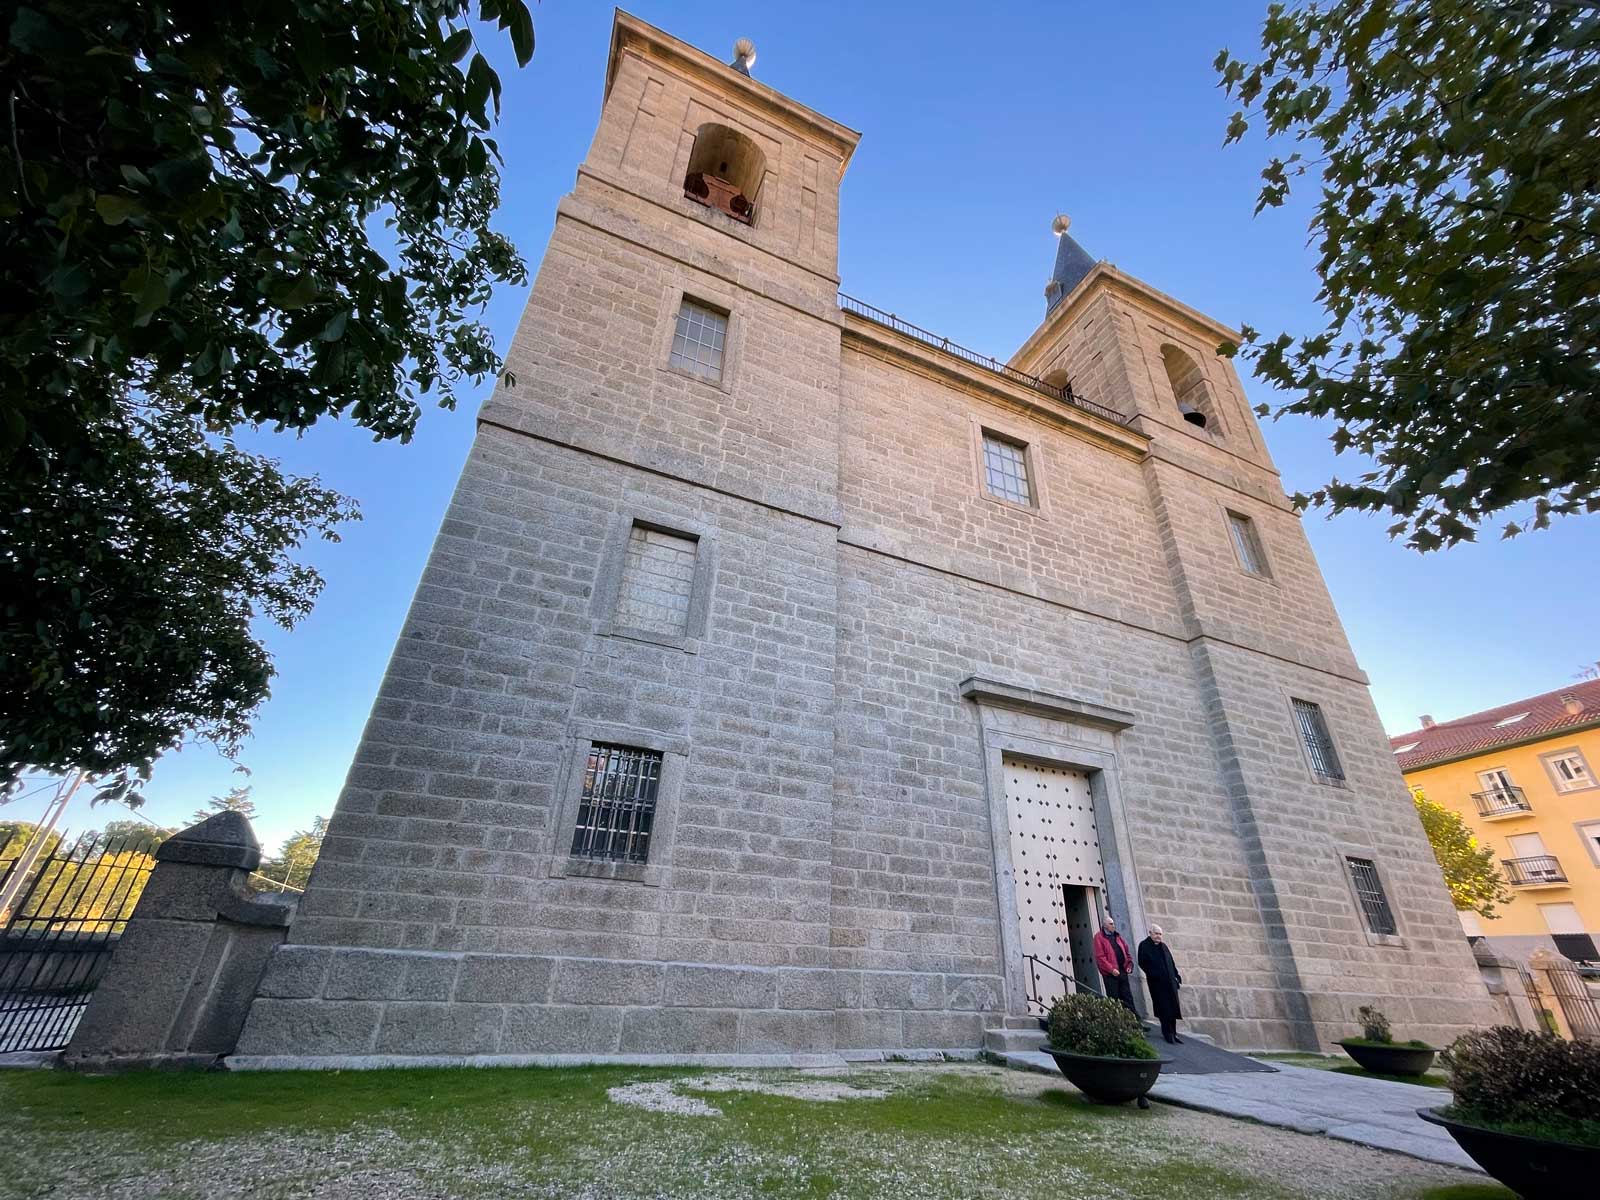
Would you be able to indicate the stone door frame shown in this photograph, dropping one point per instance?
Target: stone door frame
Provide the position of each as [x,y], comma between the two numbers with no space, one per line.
[1059,731]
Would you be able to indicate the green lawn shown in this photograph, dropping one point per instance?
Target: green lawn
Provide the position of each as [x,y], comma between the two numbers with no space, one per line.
[900,1132]
[1343,1065]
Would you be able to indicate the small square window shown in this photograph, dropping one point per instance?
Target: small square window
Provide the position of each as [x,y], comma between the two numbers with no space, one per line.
[1247,545]
[657,582]
[700,340]
[1320,752]
[1005,469]
[1369,891]
[1569,770]
[618,808]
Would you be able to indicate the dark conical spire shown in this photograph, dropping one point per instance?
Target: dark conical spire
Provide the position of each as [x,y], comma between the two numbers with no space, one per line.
[1072,264]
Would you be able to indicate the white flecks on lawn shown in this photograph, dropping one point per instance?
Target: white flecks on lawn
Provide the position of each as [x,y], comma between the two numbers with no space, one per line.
[668,1096]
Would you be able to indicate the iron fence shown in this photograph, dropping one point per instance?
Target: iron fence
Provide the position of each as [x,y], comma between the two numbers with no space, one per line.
[1063,393]
[1578,1003]
[57,940]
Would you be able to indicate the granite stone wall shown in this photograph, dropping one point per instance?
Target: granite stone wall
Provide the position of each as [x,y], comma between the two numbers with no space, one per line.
[826,873]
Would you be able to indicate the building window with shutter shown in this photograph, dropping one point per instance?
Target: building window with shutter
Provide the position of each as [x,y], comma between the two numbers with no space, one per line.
[1569,770]
[1247,545]
[1005,469]
[1369,891]
[700,340]
[1321,756]
[617,810]
[657,581]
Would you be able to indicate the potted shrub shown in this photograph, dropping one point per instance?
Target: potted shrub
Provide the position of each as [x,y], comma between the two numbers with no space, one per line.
[1101,1049]
[1377,1051]
[1526,1107]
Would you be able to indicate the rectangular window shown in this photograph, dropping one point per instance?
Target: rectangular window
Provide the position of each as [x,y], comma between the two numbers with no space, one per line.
[1005,469]
[1314,733]
[618,806]
[699,341]
[1569,770]
[1369,890]
[1247,545]
[1589,831]
[657,582]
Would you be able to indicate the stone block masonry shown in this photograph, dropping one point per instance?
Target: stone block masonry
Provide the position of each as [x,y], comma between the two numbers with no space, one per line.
[827,866]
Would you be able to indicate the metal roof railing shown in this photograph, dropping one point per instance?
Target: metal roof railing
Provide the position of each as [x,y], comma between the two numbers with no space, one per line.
[1065,394]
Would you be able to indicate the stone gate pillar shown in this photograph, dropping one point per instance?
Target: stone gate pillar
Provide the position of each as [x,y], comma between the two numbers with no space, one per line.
[186,969]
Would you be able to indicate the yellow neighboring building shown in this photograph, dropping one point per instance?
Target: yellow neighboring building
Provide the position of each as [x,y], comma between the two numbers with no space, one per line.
[1523,777]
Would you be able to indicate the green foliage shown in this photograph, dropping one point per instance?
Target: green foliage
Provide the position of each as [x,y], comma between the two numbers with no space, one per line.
[237,800]
[214,217]
[291,865]
[1470,871]
[1505,1077]
[1458,225]
[1083,1023]
[132,579]
[1374,1025]
[14,839]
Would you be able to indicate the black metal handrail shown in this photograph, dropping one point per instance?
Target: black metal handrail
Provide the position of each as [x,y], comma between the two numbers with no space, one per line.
[1534,869]
[1065,393]
[1031,980]
[1497,802]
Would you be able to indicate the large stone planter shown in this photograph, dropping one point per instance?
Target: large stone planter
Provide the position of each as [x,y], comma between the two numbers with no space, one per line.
[1534,1168]
[1108,1080]
[1390,1060]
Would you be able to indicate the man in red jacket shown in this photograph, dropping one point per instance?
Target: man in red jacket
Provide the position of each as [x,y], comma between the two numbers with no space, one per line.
[1113,961]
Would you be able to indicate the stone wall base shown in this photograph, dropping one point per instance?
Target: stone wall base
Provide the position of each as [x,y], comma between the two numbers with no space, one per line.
[373,1062]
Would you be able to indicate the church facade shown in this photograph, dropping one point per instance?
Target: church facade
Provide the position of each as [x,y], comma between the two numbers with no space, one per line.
[785,680]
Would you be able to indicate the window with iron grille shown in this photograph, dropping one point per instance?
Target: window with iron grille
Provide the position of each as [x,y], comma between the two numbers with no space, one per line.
[1369,890]
[1247,544]
[657,581]
[699,341]
[1005,469]
[1323,757]
[618,808]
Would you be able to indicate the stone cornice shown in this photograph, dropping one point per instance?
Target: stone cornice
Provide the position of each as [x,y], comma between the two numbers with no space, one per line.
[906,352]
[1105,278]
[629,33]
[1042,704]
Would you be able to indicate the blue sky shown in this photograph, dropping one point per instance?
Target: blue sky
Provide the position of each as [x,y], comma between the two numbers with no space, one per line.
[979,123]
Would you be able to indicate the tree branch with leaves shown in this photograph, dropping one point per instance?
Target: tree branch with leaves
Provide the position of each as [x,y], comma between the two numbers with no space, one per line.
[1459,236]
[215,217]
[1470,872]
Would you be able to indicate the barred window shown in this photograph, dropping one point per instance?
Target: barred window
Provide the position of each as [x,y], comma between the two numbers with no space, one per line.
[657,581]
[1318,742]
[1005,469]
[618,806]
[698,343]
[1247,544]
[1369,890]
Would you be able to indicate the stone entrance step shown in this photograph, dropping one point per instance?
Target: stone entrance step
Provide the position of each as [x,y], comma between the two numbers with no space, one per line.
[1013,1041]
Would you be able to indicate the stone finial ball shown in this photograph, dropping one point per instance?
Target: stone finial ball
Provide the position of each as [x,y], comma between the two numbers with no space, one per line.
[1061,224]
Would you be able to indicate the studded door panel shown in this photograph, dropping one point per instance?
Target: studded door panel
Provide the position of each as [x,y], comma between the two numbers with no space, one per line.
[1054,842]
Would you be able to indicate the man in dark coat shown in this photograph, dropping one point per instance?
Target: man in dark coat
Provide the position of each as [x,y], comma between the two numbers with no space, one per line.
[1162,978]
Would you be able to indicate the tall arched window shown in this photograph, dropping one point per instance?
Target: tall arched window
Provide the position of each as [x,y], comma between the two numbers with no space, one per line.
[725,172]
[1190,389]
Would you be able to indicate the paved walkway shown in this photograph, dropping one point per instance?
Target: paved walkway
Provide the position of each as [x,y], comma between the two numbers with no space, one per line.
[1369,1112]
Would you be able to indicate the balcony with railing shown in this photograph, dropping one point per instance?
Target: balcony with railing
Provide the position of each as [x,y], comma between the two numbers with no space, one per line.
[1535,871]
[1499,803]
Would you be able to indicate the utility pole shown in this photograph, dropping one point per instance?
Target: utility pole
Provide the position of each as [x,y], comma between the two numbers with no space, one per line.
[35,847]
